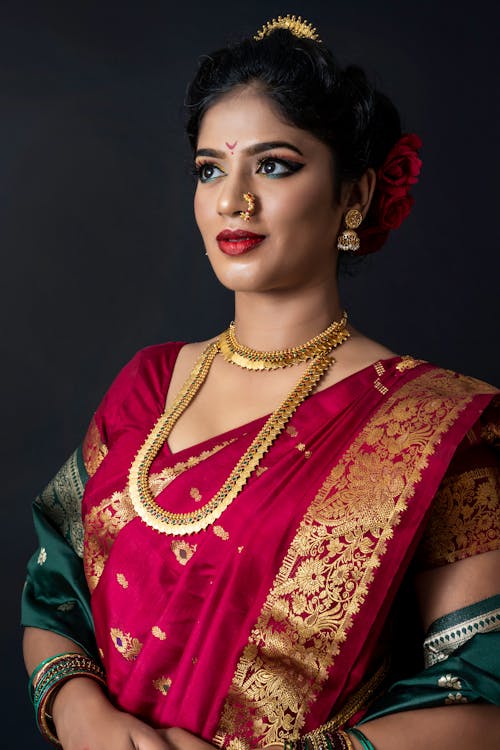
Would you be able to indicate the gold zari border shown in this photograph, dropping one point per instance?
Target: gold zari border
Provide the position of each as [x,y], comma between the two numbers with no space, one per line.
[324,578]
[465,518]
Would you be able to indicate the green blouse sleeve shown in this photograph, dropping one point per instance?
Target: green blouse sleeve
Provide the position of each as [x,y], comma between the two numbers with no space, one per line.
[56,595]
[462,653]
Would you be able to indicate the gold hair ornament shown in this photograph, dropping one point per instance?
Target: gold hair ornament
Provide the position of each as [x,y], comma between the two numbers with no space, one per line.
[250,199]
[294,24]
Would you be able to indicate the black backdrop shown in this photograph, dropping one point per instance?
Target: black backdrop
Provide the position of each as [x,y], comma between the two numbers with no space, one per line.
[100,254]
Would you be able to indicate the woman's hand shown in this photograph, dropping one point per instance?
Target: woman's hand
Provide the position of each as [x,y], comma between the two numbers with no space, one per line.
[180,739]
[86,720]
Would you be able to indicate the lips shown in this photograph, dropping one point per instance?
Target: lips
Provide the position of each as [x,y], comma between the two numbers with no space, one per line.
[238,241]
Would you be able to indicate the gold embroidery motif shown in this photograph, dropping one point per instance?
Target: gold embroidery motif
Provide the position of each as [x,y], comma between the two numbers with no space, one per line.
[449,681]
[162,684]
[195,494]
[183,551]
[380,387]
[465,518]
[455,698]
[158,633]
[94,450]
[260,470]
[302,448]
[42,556]
[102,525]
[221,532]
[103,522]
[240,549]
[408,363]
[291,430]
[128,646]
[61,502]
[379,368]
[122,580]
[340,541]
[66,606]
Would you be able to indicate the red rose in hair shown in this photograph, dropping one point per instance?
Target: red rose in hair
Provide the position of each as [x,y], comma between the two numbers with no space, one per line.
[402,165]
[393,209]
[392,201]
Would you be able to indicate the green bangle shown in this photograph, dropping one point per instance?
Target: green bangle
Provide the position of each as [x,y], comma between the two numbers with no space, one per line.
[365,742]
[37,669]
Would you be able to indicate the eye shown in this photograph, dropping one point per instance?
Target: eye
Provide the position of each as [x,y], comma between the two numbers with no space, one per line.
[274,167]
[207,171]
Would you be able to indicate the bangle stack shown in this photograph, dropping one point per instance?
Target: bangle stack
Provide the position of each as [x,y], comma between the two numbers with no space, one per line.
[51,675]
[364,741]
[326,739]
[321,739]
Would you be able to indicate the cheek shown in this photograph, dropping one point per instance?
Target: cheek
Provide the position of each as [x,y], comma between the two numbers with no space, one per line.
[201,212]
[305,208]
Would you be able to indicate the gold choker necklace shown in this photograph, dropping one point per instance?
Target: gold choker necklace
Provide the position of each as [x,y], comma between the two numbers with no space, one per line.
[253,359]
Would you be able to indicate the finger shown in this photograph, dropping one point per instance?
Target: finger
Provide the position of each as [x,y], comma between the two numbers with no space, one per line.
[149,739]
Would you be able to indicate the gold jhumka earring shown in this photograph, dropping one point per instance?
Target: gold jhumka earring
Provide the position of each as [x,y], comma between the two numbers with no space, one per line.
[250,200]
[348,240]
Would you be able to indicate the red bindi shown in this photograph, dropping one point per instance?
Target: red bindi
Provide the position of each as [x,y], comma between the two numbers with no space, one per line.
[231,146]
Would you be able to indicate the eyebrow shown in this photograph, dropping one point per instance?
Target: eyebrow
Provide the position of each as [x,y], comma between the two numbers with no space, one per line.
[257,148]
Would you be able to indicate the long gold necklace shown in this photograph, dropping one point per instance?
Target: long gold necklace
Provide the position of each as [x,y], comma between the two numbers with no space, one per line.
[252,359]
[179,524]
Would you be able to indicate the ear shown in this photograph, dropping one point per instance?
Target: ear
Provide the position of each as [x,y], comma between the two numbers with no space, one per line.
[359,194]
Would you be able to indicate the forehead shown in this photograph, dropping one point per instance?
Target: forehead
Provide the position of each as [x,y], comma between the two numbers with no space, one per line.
[248,116]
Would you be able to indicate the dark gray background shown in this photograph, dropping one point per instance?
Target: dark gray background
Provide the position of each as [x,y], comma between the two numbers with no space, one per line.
[100,254]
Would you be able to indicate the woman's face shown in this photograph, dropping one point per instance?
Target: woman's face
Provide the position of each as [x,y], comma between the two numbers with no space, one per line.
[245,146]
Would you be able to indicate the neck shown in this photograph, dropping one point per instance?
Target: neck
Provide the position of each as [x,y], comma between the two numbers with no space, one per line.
[280,320]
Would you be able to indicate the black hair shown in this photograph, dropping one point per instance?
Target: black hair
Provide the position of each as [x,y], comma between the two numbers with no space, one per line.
[301,76]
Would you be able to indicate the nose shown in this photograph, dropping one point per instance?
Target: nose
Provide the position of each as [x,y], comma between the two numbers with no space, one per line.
[230,200]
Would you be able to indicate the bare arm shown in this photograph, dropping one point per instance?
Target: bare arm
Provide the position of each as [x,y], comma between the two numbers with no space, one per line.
[84,717]
[463,727]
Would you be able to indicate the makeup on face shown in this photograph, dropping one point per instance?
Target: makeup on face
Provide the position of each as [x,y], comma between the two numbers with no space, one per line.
[238,241]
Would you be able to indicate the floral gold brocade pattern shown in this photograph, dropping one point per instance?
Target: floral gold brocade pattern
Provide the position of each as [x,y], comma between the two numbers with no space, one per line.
[158,633]
[126,644]
[104,521]
[465,518]
[324,578]
[183,551]
[94,450]
[408,363]
[162,684]
[491,429]
[61,501]
[122,580]
[221,532]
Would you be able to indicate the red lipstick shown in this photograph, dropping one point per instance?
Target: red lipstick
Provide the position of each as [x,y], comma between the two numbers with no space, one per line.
[238,241]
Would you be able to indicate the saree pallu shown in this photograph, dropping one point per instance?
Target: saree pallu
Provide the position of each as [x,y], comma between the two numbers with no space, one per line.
[260,626]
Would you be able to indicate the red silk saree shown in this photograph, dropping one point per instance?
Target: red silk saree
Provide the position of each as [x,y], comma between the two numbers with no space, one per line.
[265,624]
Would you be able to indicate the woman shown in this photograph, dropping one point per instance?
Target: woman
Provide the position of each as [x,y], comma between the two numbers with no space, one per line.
[245,579]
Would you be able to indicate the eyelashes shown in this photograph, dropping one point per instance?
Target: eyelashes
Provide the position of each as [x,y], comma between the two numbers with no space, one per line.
[268,164]
[271,166]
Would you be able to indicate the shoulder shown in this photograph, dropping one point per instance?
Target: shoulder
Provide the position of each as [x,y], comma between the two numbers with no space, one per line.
[139,386]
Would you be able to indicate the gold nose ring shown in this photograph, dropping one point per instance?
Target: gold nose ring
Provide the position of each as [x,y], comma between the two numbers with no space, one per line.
[250,200]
